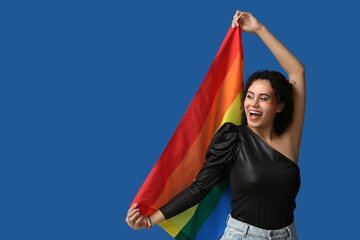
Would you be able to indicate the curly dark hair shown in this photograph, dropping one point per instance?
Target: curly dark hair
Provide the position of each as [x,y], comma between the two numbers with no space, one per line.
[283,91]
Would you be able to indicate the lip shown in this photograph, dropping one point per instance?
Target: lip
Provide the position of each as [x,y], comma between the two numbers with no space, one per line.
[254,117]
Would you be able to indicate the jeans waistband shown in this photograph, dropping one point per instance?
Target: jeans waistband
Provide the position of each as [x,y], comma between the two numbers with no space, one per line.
[248,229]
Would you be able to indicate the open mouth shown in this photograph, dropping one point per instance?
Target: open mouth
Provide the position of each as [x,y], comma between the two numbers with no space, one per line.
[255,114]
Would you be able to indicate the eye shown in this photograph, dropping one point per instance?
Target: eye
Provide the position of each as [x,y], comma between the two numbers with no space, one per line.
[249,96]
[265,98]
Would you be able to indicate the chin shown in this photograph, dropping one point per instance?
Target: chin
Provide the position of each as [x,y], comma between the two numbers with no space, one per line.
[254,125]
[257,124]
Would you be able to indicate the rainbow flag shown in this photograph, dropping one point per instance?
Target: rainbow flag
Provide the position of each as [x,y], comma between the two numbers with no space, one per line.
[217,101]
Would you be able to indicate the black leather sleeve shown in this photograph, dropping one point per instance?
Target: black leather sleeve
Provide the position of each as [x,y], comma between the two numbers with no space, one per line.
[219,157]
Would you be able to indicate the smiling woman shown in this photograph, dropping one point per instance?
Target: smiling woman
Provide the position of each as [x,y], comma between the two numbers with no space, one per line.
[275,90]
[260,107]
[259,157]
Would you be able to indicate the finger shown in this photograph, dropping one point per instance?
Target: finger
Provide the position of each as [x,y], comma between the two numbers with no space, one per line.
[128,217]
[238,20]
[242,18]
[241,13]
[234,21]
[237,13]
[134,217]
[132,207]
[134,211]
[234,24]
[130,223]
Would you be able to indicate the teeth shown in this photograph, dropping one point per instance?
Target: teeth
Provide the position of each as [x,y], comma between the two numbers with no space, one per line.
[253,112]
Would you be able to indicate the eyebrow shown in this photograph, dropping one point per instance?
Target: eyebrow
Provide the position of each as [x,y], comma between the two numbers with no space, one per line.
[261,94]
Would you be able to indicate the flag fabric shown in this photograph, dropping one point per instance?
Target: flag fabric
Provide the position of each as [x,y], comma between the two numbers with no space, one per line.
[217,101]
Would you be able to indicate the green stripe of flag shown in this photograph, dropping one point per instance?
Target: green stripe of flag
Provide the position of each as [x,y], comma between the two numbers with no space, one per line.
[203,212]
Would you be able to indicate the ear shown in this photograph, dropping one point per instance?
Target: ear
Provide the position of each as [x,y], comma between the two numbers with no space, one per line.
[280,107]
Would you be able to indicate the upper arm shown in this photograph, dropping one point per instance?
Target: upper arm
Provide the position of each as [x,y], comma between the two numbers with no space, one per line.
[295,129]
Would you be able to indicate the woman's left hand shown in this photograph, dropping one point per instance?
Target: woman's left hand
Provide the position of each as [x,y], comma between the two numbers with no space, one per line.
[247,22]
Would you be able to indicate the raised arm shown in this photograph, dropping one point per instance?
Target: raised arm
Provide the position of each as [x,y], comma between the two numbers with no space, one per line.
[291,65]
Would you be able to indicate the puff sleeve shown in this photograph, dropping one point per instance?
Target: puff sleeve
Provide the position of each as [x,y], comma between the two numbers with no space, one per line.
[219,158]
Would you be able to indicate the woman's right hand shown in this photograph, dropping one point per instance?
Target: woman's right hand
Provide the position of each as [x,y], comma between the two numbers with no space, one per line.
[134,219]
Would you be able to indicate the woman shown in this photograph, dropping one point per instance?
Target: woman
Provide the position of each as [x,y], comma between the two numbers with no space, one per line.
[260,156]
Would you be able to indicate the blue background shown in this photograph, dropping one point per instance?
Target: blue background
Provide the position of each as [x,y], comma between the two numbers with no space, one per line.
[92,91]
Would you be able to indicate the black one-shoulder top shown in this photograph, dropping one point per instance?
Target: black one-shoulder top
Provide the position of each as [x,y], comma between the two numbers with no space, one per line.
[263,182]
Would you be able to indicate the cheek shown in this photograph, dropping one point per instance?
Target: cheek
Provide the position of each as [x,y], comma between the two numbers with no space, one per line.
[246,104]
[272,100]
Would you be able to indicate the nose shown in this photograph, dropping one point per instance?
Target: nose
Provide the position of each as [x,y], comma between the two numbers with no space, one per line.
[254,102]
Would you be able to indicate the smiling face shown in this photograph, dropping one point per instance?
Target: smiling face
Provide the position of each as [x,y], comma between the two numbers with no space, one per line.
[260,105]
